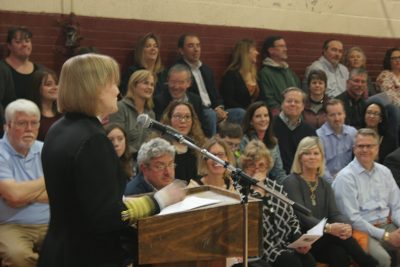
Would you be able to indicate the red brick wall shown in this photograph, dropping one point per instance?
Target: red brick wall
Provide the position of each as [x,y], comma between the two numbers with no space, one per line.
[117,37]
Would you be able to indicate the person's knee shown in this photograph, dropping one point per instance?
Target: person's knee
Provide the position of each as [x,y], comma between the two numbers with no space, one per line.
[382,256]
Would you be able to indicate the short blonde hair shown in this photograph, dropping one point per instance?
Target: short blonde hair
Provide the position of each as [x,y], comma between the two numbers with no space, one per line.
[81,80]
[256,150]
[304,146]
[137,77]
[202,166]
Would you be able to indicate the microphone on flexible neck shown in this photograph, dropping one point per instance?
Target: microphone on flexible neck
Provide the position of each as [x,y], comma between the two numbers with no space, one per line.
[143,120]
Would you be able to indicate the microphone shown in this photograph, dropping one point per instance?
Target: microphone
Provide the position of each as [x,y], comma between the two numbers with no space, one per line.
[143,120]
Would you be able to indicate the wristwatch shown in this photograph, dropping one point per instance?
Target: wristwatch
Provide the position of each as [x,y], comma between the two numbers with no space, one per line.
[386,236]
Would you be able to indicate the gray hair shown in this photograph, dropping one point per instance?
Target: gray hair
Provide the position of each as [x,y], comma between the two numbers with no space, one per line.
[180,68]
[367,132]
[22,106]
[358,71]
[295,89]
[154,148]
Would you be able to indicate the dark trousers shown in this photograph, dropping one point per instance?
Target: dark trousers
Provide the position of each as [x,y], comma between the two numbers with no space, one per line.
[339,253]
[294,259]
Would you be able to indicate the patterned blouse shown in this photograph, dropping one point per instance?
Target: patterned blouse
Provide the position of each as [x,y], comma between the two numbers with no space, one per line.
[280,224]
[388,82]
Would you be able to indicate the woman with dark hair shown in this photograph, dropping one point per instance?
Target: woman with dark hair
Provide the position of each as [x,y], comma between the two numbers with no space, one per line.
[239,86]
[257,124]
[356,59]
[314,108]
[376,118]
[117,135]
[44,94]
[388,81]
[147,56]
[182,117]
[306,186]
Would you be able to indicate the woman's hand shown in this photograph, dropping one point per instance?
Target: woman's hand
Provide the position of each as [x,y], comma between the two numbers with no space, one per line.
[341,230]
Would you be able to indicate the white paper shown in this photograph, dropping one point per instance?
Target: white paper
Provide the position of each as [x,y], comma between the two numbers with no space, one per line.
[189,203]
[311,236]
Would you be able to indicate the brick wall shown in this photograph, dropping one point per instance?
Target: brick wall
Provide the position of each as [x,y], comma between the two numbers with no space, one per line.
[117,37]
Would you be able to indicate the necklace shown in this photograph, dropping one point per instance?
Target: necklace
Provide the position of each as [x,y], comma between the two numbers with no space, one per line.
[312,188]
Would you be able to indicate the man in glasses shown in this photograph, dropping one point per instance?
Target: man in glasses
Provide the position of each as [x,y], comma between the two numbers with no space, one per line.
[157,168]
[24,212]
[368,195]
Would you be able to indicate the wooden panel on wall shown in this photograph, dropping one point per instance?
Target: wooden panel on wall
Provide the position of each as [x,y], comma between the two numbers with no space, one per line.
[117,37]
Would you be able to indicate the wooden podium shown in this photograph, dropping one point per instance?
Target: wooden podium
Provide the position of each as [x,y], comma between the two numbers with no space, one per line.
[205,236]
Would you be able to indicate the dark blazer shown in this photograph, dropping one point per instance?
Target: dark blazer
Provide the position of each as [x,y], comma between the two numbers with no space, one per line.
[209,82]
[85,185]
[138,186]
[354,110]
[235,93]
[162,100]
[392,161]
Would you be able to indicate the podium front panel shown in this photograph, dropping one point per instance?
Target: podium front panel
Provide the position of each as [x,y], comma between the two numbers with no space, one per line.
[208,233]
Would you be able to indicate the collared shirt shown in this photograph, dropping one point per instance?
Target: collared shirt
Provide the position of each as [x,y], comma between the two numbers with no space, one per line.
[367,197]
[337,76]
[195,68]
[338,148]
[288,123]
[22,168]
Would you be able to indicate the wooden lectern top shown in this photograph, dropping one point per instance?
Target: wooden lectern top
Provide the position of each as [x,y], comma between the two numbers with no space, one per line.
[206,233]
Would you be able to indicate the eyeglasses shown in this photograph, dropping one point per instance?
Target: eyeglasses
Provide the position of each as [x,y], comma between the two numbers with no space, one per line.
[373,114]
[182,117]
[161,166]
[367,146]
[395,58]
[261,166]
[24,124]
[220,154]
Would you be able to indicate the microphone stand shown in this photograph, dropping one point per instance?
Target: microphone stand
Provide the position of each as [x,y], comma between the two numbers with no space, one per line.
[245,182]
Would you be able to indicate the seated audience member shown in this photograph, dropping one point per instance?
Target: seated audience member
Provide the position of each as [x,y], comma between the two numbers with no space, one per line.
[211,172]
[239,87]
[182,117]
[275,75]
[138,100]
[203,83]
[280,225]
[232,134]
[354,97]
[305,186]
[388,80]
[376,118]
[329,62]
[179,80]
[147,57]
[314,109]
[289,125]
[44,94]
[337,139]
[24,214]
[367,194]
[156,165]
[16,70]
[117,135]
[356,59]
[257,125]
[392,161]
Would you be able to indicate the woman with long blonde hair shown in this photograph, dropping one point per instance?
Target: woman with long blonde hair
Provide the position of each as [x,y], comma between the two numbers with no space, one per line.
[239,86]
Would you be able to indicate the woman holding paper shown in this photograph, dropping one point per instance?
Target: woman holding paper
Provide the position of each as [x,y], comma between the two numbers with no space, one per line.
[305,186]
[280,225]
